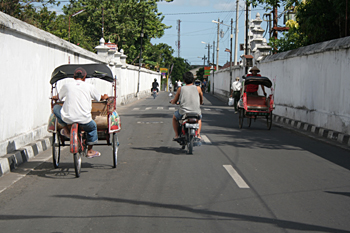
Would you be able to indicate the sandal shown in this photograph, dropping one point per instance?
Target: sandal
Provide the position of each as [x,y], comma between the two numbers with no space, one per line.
[64,133]
[97,154]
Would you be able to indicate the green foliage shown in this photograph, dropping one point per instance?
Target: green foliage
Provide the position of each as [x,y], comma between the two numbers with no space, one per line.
[292,39]
[160,54]
[200,74]
[322,20]
[317,21]
[120,21]
[180,67]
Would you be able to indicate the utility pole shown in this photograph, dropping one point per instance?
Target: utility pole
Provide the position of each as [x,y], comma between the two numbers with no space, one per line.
[236,32]
[231,36]
[178,37]
[217,47]
[208,45]
[246,33]
[346,19]
[140,59]
[213,64]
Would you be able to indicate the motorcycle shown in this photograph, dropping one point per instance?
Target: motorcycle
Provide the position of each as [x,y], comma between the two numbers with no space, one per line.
[154,93]
[188,132]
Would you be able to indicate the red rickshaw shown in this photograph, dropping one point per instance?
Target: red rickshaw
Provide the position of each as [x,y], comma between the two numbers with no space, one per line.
[254,106]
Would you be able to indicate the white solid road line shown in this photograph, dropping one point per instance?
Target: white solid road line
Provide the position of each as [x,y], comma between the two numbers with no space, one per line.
[206,139]
[236,177]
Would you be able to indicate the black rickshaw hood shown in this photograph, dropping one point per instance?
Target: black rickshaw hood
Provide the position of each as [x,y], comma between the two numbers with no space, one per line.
[100,71]
[258,81]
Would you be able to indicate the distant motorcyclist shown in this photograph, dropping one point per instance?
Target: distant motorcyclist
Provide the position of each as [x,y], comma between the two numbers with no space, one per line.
[190,97]
[155,85]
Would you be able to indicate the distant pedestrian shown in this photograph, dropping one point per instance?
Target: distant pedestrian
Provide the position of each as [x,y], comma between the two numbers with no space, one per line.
[236,92]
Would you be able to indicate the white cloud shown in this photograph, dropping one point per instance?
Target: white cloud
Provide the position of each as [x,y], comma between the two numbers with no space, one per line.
[225,6]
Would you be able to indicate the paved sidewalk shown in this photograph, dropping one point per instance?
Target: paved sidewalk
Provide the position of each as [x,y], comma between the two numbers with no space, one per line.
[11,161]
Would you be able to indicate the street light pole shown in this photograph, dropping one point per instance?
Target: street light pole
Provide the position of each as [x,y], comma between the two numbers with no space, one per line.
[246,34]
[217,46]
[72,15]
[231,54]
[236,33]
[140,60]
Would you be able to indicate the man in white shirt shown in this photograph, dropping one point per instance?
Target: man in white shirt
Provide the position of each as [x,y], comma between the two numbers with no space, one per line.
[179,83]
[77,97]
[236,90]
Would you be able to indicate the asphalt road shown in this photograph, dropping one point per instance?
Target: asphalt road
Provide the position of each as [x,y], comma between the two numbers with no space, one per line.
[239,180]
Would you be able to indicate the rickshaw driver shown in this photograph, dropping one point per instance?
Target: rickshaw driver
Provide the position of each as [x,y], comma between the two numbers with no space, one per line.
[77,106]
[190,97]
[252,89]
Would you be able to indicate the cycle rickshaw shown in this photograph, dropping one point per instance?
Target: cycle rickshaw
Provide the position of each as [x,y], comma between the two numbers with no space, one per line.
[254,106]
[103,113]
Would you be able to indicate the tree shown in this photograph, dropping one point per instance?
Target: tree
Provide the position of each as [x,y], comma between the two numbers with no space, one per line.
[200,74]
[180,67]
[121,22]
[159,55]
[316,21]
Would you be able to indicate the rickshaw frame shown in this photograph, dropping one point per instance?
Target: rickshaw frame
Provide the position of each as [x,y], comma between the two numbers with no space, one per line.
[252,107]
[77,139]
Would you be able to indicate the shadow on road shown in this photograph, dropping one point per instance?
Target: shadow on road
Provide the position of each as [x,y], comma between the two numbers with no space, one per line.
[204,214]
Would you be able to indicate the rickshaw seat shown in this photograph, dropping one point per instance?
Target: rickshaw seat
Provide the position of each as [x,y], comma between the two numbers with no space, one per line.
[99,113]
[257,103]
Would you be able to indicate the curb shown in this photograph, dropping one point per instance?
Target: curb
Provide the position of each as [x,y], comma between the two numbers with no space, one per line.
[330,135]
[10,161]
[335,137]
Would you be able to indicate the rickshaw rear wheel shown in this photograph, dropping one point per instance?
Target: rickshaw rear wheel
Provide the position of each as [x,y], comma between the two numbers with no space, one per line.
[240,117]
[269,121]
[115,145]
[77,164]
[56,150]
[249,121]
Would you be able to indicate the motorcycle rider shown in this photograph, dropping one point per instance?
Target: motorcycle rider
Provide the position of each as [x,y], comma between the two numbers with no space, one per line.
[155,85]
[190,97]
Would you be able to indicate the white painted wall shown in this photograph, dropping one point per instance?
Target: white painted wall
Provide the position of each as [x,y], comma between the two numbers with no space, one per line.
[312,83]
[28,57]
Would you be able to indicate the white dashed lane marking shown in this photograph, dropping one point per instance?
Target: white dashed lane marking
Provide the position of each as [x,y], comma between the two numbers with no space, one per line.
[205,139]
[236,177]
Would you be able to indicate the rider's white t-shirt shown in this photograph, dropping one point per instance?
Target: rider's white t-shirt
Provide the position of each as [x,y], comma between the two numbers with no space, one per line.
[77,97]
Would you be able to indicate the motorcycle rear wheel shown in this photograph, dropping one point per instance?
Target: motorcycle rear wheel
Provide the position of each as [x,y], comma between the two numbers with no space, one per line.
[190,144]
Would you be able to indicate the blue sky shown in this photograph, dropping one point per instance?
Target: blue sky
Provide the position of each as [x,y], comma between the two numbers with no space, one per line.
[196,26]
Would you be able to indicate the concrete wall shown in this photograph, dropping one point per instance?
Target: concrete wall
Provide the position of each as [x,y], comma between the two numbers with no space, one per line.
[312,83]
[28,57]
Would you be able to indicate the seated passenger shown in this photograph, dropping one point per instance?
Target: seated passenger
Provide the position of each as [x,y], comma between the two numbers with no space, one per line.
[252,89]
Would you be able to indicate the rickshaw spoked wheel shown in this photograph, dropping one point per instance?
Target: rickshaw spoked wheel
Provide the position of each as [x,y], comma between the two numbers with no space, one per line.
[77,164]
[269,121]
[75,140]
[240,117]
[56,150]
[115,145]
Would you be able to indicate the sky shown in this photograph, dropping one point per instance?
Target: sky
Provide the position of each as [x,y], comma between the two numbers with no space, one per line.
[196,26]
